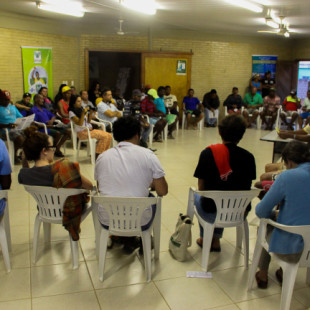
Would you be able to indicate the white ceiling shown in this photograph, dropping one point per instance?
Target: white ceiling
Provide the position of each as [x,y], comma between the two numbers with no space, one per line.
[178,16]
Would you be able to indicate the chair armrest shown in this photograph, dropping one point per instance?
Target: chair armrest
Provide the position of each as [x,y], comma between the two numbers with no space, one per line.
[291,229]
[102,125]
[42,125]
[7,134]
[106,123]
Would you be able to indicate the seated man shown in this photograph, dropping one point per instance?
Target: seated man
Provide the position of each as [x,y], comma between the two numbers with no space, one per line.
[211,103]
[252,101]
[233,102]
[24,106]
[290,106]
[106,110]
[48,103]
[160,105]
[8,116]
[141,164]
[305,111]
[157,118]
[192,106]
[223,167]
[5,173]
[85,101]
[118,98]
[42,115]
[133,108]
[171,102]
[271,105]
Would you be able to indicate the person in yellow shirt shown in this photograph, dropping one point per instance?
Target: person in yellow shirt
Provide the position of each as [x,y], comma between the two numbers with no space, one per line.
[35,77]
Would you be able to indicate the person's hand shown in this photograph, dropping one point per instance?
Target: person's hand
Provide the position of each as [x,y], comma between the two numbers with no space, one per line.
[85,110]
[119,114]
[304,109]
[234,106]
[283,135]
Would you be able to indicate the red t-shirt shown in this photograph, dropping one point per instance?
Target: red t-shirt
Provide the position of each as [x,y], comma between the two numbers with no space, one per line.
[290,104]
[147,106]
[65,106]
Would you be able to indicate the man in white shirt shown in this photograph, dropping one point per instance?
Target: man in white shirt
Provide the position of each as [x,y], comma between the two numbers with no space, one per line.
[85,101]
[305,111]
[128,170]
[107,111]
[171,101]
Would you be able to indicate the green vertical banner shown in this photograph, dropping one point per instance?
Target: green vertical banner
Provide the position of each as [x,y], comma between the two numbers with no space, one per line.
[37,68]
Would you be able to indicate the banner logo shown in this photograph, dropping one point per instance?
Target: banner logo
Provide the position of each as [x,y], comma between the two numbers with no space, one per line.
[37,57]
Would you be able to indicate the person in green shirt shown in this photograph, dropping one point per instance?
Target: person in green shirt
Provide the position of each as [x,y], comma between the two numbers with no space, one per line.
[252,102]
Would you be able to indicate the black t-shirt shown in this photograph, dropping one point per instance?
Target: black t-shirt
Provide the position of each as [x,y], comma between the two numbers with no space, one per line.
[36,176]
[265,91]
[243,168]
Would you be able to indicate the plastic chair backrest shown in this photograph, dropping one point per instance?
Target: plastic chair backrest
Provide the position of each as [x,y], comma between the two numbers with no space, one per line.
[230,205]
[51,200]
[3,194]
[124,212]
[302,230]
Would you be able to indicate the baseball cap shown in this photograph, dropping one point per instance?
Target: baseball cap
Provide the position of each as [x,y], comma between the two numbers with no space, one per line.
[136,92]
[65,89]
[152,92]
[5,94]
[147,86]
[293,92]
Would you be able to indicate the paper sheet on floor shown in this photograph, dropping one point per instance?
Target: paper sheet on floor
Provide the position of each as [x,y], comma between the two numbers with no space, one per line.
[198,274]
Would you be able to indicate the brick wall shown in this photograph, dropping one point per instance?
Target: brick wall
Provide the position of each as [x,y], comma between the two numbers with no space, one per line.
[65,51]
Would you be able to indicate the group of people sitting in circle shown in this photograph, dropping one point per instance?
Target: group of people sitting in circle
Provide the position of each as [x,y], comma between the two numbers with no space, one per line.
[224,166]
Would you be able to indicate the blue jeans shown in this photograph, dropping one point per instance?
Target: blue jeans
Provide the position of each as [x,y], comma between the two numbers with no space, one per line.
[209,120]
[208,217]
[146,132]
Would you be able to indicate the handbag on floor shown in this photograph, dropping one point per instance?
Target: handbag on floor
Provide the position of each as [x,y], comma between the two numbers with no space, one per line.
[181,239]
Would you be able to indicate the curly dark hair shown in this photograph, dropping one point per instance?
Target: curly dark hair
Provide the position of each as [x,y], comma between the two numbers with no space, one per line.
[126,128]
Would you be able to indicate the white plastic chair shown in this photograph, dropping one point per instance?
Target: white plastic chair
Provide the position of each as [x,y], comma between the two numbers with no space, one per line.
[50,205]
[289,269]
[5,234]
[184,121]
[164,133]
[124,220]
[230,206]
[91,143]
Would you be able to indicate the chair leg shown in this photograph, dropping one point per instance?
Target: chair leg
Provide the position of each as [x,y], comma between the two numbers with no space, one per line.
[245,230]
[308,276]
[47,231]
[207,240]
[289,277]
[104,235]
[36,234]
[147,252]
[156,233]
[190,204]
[92,144]
[97,227]
[256,257]
[75,253]
[4,247]
[6,219]
[78,149]
[239,236]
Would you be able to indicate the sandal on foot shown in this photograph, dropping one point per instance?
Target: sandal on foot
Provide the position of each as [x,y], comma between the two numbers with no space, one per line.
[260,283]
[199,242]
[279,275]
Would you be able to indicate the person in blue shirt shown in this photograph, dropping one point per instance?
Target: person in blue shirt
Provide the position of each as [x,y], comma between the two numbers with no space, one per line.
[5,173]
[42,115]
[291,191]
[192,106]
[8,115]
[160,105]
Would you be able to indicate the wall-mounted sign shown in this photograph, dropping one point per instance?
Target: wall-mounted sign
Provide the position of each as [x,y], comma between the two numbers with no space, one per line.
[181,67]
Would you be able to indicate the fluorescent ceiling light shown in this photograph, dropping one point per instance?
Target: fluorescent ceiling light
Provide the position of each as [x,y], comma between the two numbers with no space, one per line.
[144,6]
[271,23]
[246,5]
[286,34]
[61,7]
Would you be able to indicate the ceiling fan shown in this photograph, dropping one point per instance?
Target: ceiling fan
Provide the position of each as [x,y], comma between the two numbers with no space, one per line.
[120,30]
[280,28]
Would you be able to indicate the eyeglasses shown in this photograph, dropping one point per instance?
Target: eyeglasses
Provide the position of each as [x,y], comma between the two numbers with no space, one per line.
[53,148]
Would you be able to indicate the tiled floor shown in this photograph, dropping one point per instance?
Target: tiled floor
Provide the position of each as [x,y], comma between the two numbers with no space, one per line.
[52,284]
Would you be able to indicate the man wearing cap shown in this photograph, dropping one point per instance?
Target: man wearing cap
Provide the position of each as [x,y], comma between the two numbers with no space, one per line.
[107,111]
[233,102]
[305,111]
[8,115]
[252,101]
[267,83]
[272,103]
[133,108]
[24,106]
[157,118]
[63,104]
[211,103]
[290,106]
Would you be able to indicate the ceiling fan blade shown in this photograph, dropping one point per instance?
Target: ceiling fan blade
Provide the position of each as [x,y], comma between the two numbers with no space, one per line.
[267,31]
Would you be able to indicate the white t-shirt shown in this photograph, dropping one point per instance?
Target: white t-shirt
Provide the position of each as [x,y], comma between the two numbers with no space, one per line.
[85,123]
[103,107]
[127,170]
[169,100]
[306,103]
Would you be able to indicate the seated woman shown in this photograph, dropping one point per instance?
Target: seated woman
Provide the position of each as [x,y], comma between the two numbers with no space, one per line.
[61,174]
[82,117]
[291,191]
[223,167]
